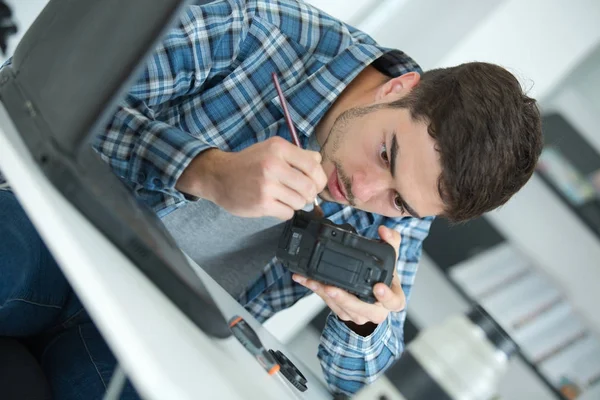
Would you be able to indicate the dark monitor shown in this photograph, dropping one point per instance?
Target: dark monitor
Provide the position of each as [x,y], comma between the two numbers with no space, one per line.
[66,76]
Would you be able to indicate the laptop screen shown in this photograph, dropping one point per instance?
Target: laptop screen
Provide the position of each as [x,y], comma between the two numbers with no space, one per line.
[59,88]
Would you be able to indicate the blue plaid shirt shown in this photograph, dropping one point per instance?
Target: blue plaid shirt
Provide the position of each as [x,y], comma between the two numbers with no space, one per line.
[209,85]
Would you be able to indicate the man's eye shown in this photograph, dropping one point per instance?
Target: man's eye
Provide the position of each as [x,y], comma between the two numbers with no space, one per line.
[383,153]
[399,204]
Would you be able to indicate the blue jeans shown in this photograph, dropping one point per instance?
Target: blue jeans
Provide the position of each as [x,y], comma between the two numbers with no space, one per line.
[38,307]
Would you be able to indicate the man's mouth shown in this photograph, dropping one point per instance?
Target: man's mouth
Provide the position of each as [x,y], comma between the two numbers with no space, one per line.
[336,188]
[341,185]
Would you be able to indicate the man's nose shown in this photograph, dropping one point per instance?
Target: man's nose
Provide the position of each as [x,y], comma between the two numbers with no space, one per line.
[366,186]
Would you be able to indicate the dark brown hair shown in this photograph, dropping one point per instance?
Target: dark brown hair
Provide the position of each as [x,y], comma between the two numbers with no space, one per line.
[487,130]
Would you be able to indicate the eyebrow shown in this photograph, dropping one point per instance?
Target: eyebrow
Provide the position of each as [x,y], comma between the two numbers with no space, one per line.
[394,151]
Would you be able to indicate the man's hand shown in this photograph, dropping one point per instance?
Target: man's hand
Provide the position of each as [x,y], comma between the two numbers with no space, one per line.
[348,307]
[270,178]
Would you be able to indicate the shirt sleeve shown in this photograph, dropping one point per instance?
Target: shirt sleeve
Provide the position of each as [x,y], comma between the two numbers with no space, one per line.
[350,361]
[148,154]
[273,291]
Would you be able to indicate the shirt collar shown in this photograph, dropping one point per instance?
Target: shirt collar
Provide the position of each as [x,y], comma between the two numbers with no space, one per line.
[309,99]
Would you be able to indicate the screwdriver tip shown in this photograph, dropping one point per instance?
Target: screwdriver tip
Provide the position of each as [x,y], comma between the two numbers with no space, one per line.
[317,210]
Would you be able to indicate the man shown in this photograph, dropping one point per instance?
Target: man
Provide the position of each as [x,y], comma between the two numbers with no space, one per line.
[385,147]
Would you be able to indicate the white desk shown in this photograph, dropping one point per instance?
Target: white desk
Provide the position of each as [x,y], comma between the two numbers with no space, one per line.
[162,352]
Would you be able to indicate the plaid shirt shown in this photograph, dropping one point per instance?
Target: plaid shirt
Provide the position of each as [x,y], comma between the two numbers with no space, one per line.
[209,85]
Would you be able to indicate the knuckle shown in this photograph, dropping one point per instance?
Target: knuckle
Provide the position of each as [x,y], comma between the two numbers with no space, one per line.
[309,191]
[315,169]
[300,205]
[264,194]
[317,157]
[322,185]
[288,214]
[267,164]
[344,316]
[296,202]
[379,319]
[398,308]
[276,143]
[402,305]
[274,140]
[322,180]
[284,215]
[318,175]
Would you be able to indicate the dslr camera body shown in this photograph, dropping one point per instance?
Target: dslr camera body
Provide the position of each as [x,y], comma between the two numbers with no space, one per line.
[335,255]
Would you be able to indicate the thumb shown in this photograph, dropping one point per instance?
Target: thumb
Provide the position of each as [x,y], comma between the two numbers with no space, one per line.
[391,237]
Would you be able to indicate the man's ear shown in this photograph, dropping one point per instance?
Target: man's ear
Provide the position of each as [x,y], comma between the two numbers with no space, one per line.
[398,86]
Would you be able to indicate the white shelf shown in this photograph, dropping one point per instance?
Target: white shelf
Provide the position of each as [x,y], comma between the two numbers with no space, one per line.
[434,299]
[532,309]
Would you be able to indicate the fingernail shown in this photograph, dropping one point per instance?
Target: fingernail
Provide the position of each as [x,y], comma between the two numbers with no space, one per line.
[380,291]
[332,293]
[314,287]
[298,279]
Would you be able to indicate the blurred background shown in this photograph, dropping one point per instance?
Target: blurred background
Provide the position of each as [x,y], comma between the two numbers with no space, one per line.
[534,264]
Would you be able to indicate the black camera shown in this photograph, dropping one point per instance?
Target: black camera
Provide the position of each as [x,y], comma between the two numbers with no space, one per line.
[335,255]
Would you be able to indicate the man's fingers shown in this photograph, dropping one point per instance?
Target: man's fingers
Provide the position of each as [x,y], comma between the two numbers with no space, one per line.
[360,311]
[280,210]
[392,299]
[295,180]
[287,196]
[348,307]
[299,279]
[341,314]
[321,291]
[391,237]
[309,163]
[337,310]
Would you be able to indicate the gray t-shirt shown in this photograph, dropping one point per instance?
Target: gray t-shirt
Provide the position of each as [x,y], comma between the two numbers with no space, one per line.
[233,250]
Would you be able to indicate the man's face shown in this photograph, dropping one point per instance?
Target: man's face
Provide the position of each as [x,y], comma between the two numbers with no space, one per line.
[380,160]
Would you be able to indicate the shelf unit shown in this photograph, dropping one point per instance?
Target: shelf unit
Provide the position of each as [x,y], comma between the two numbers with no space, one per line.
[436,298]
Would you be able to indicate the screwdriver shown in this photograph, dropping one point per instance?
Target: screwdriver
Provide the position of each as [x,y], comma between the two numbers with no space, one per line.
[288,118]
[249,339]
